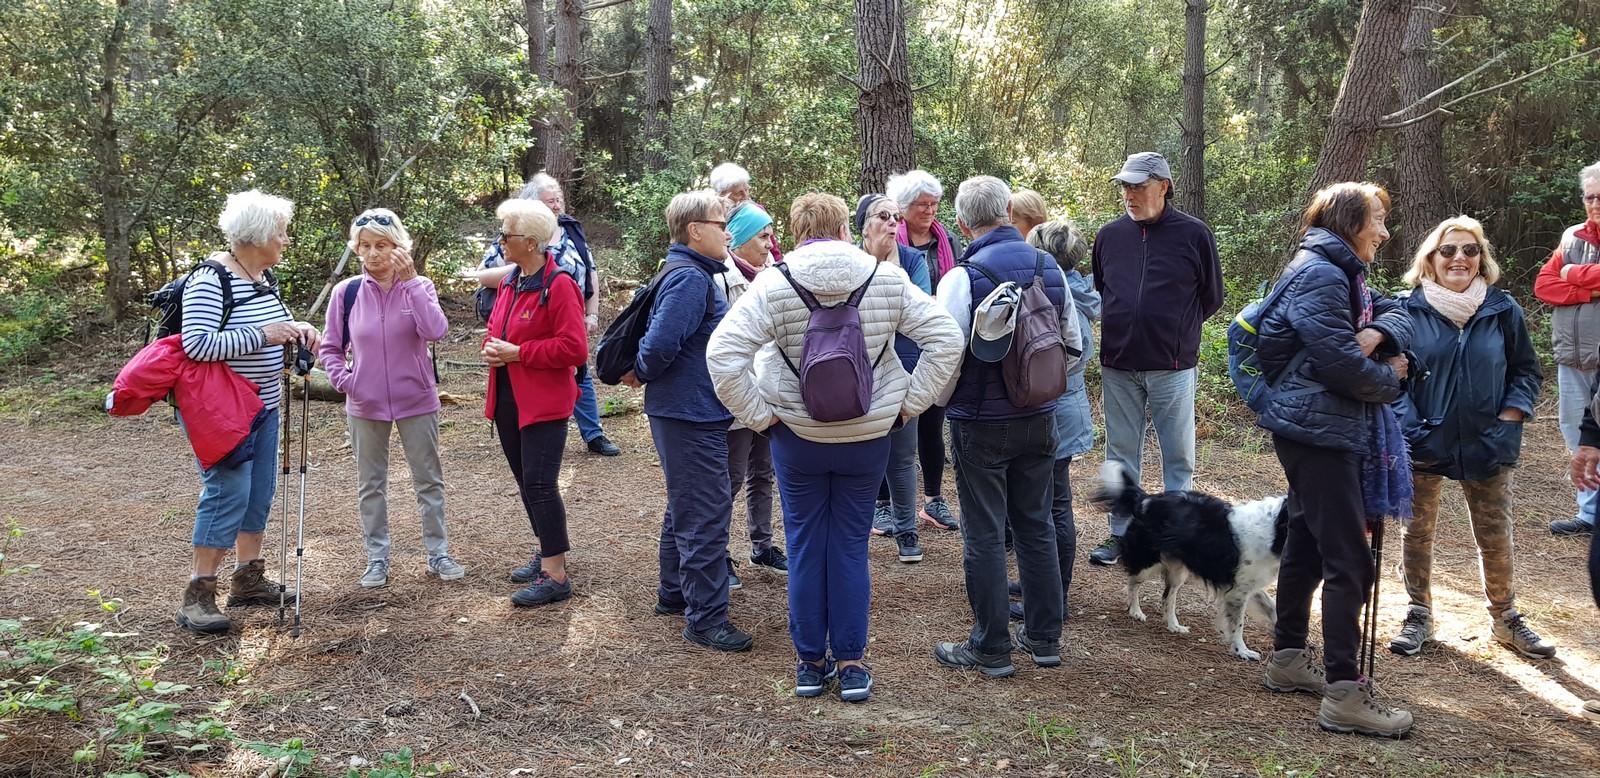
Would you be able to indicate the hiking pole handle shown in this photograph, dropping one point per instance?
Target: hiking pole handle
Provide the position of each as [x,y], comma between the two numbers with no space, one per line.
[302,359]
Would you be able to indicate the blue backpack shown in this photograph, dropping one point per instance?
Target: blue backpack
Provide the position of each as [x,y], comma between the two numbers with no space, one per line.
[1244,338]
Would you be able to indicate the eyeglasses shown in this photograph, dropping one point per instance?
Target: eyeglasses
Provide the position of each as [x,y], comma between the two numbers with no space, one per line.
[721,225]
[1127,187]
[368,218]
[1448,251]
[501,238]
[1592,199]
[888,216]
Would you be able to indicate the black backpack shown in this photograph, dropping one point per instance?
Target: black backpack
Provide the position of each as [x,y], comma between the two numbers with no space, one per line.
[168,300]
[619,346]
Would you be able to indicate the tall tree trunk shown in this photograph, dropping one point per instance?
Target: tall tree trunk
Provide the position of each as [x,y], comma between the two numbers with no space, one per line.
[883,107]
[1423,191]
[1192,190]
[1363,93]
[657,84]
[112,178]
[559,154]
[539,68]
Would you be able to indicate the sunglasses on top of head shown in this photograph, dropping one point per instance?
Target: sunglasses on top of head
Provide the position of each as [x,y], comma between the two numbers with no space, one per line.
[1449,252]
[368,218]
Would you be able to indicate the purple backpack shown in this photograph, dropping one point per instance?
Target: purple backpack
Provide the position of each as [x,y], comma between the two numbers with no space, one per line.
[835,375]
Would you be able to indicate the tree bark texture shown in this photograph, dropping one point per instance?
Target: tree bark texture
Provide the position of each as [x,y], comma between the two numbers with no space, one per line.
[115,211]
[883,105]
[535,21]
[560,156]
[1365,91]
[1192,188]
[657,84]
[1422,189]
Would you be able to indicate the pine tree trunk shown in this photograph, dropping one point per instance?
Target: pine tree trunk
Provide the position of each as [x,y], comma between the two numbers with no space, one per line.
[657,84]
[534,20]
[883,107]
[1422,188]
[111,177]
[559,155]
[1364,93]
[1192,188]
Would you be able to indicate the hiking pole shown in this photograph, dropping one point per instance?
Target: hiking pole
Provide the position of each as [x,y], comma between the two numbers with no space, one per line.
[1377,580]
[283,478]
[302,366]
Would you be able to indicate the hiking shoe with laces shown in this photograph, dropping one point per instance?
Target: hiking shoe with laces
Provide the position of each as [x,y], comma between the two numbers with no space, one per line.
[446,568]
[734,581]
[962,655]
[543,591]
[603,446]
[855,683]
[377,574]
[250,585]
[1512,631]
[882,519]
[1107,553]
[909,546]
[668,609]
[1571,527]
[199,612]
[1043,654]
[1351,706]
[937,514]
[1416,630]
[811,679]
[1295,670]
[529,571]
[724,638]
[772,559]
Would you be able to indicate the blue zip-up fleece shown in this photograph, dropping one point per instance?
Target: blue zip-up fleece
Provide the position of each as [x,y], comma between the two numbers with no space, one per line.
[1159,279]
[672,353]
[1451,410]
[912,262]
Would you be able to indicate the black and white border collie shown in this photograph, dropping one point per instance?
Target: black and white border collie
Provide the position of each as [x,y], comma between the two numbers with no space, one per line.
[1234,549]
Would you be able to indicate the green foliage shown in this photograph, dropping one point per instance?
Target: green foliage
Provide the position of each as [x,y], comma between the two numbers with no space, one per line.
[401,764]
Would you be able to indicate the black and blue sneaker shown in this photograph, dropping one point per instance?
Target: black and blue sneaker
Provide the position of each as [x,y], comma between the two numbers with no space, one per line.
[855,683]
[543,591]
[530,571]
[810,679]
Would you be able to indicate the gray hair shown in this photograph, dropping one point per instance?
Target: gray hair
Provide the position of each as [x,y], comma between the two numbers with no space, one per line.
[727,176]
[983,201]
[538,185]
[690,207]
[908,186]
[1589,175]
[1061,239]
[394,230]
[252,218]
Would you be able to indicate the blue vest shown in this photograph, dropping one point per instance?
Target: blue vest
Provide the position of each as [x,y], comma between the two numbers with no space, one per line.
[980,393]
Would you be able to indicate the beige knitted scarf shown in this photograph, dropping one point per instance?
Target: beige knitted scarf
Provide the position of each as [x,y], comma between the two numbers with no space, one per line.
[1456,306]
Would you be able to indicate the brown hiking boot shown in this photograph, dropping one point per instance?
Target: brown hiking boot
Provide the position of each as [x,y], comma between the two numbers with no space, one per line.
[199,612]
[251,586]
[1350,706]
[1512,631]
[1294,670]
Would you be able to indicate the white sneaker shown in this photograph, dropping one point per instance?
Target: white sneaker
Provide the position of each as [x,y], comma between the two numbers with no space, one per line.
[377,574]
[446,568]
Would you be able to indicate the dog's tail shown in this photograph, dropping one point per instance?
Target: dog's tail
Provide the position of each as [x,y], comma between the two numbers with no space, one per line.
[1118,494]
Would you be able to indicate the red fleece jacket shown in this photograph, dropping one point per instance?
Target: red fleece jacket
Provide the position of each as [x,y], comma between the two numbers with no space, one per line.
[1582,281]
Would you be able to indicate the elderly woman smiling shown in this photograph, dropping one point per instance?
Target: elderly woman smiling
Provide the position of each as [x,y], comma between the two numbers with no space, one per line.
[235,501]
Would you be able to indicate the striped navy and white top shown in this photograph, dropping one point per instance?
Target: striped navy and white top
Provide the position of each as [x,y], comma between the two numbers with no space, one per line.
[243,342]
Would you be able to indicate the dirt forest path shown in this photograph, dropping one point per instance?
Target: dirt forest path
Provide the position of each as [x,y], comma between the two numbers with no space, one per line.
[599,685]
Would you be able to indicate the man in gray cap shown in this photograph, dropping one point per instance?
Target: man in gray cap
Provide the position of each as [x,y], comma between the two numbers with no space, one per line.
[1159,278]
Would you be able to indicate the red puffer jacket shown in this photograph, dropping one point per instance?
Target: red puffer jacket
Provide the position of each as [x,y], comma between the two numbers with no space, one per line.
[219,406]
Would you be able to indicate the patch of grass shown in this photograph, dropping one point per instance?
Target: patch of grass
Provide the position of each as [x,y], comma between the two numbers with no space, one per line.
[44,403]
[1127,758]
[937,768]
[1271,765]
[1054,730]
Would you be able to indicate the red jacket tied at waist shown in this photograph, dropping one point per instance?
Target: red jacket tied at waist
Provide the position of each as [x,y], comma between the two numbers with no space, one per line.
[218,404]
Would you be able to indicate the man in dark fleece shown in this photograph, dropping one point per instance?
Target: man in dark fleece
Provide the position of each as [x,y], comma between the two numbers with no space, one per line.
[1159,278]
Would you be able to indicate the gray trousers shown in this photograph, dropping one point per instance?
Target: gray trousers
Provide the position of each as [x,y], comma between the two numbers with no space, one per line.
[750,467]
[419,437]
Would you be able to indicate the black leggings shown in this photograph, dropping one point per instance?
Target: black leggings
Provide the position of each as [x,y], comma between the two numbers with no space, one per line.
[534,453]
[930,449]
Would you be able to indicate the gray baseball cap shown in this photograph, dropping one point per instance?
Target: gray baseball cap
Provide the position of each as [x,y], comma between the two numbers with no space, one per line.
[1140,167]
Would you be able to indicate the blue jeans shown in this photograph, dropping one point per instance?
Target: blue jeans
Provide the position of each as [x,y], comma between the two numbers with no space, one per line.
[587,412]
[694,529]
[1074,421]
[902,477]
[1136,400]
[238,499]
[1576,386]
[1004,473]
[827,491]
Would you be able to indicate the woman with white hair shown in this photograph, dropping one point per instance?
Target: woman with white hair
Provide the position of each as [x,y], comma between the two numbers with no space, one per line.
[248,333]
[378,329]
[536,340]
[918,194]
[733,182]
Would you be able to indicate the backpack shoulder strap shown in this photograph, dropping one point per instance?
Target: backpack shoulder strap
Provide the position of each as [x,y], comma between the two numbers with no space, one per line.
[861,291]
[351,289]
[994,279]
[1038,267]
[805,294]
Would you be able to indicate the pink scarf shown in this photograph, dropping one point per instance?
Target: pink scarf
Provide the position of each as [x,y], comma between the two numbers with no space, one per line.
[941,244]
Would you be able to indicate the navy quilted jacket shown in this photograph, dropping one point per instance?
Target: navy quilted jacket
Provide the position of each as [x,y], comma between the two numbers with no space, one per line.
[1325,402]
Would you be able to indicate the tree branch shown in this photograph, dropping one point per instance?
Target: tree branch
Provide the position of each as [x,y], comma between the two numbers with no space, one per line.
[1423,100]
[609,76]
[1224,63]
[852,82]
[1444,108]
[603,4]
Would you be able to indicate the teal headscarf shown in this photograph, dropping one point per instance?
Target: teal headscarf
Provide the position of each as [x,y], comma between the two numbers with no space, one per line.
[746,222]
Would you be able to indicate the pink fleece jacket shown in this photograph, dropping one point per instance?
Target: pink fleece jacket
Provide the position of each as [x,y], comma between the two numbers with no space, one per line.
[391,377]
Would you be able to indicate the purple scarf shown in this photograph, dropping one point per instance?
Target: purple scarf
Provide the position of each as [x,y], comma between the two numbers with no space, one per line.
[1386,487]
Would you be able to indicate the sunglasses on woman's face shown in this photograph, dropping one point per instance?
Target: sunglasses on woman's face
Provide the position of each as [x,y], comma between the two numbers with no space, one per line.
[887,216]
[368,218]
[1469,249]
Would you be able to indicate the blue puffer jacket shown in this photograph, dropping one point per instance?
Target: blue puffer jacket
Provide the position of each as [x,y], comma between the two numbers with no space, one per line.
[1466,377]
[1324,403]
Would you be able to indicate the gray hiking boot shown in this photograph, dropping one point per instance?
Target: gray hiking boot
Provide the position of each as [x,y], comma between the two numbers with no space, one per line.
[377,574]
[963,655]
[882,519]
[251,586]
[446,568]
[199,612]
[1416,630]
[1350,706]
[1513,632]
[1295,670]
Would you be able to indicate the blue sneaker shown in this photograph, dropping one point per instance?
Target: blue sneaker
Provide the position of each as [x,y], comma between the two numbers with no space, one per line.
[855,683]
[810,680]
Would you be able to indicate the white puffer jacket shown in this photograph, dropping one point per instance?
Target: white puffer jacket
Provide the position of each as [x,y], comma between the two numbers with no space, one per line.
[756,385]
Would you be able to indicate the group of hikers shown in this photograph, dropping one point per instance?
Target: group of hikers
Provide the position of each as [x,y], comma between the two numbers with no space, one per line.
[763,366]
